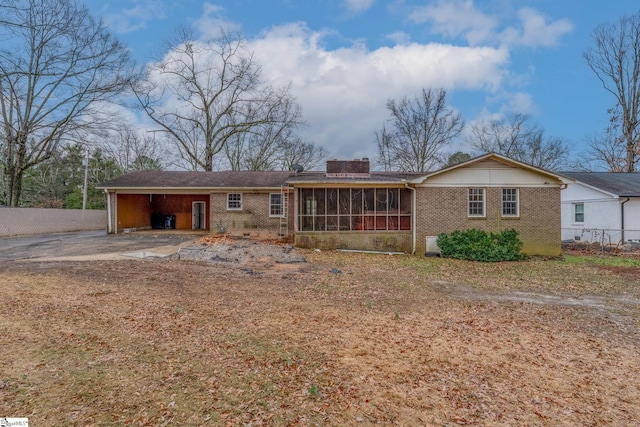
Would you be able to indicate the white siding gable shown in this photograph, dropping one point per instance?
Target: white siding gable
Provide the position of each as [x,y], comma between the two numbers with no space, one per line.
[489,173]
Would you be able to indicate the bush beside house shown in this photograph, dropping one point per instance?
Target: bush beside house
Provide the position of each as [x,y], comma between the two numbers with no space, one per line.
[478,245]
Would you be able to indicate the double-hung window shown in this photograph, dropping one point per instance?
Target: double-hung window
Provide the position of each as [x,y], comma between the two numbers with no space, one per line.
[510,202]
[476,200]
[275,205]
[234,201]
[578,213]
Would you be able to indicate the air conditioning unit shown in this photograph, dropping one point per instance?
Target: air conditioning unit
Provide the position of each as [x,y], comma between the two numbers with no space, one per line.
[432,246]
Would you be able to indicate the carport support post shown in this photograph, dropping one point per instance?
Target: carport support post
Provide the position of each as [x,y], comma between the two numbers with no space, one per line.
[86,179]
[109,228]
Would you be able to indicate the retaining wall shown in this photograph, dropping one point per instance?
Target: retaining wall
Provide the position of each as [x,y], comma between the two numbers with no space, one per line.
[22,221]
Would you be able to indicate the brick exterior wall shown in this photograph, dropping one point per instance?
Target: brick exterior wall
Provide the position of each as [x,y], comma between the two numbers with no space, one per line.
[253,220]
[444,209]
[359,167]
[396,241]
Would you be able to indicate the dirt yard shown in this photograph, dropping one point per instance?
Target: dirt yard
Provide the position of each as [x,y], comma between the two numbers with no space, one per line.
[245,334]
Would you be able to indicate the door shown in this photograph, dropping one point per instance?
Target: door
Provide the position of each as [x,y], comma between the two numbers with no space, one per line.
[199,216]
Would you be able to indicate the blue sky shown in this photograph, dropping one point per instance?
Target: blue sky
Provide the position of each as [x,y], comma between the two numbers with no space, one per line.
[345,58]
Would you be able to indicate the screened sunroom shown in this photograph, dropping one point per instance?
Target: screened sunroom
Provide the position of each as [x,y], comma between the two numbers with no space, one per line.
[354,209]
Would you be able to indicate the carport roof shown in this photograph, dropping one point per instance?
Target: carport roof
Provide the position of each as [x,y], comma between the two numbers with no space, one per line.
[623,184]
[185,179]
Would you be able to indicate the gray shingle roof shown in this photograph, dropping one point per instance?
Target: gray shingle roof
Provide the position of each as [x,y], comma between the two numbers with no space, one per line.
[375,177]
[184,179]
[240,179]
[624,184]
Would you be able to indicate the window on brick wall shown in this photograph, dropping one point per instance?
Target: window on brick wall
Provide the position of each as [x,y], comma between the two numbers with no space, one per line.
[234,201]
[476,200]
[510,202]
[275,205]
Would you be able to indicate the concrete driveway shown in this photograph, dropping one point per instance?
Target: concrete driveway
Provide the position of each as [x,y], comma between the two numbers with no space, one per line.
[93,245]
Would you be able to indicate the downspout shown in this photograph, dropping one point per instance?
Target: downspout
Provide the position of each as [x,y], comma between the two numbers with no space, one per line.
[622,218]
[413,217]
[108,211]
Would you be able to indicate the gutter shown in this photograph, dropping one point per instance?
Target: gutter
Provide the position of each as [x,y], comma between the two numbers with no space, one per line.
[413,217]
[622,218]
[185,190]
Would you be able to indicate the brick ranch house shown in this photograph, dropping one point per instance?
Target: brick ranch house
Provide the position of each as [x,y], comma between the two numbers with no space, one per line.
[349,206]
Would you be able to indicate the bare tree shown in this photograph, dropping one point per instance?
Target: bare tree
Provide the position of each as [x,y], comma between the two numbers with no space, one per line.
[261,148]
[58,68]
[203,94]
[386,153]
[517,138]
[615,59]
[302,153]
[243,155]
[133,151]
[421,128]
[606,151]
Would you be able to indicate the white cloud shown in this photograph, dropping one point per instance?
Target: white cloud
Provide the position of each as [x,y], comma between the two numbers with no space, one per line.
[343,92]
[458,18]
[137,17]
[213,20]
[536,31]
[399,37]
[515,102]
[462,19]
[358,6]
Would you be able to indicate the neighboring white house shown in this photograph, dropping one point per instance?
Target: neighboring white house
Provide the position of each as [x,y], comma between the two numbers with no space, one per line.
[601,207]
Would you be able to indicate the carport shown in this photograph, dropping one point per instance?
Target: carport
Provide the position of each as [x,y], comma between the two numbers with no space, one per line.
[161,210]
[242,201]
[160,200]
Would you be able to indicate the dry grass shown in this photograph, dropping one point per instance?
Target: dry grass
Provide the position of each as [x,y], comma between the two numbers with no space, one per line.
[393,340]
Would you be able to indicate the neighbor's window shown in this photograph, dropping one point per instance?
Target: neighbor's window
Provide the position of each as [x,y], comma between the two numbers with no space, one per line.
[476,202]
[578,212]
[510,202]
[275,204]
[234,201]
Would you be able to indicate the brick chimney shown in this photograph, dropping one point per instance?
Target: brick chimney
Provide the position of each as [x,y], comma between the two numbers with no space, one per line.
[348,168]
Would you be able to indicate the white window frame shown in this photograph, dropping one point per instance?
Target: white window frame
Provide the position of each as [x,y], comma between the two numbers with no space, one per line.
[575,213]
[483,201]
[232,200]
[506,202]
[277,205]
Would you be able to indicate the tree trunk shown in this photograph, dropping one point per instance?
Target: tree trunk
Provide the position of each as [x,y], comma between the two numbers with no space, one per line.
[631,156]
[14,185]
[15,167]
[208,161]
[15,188]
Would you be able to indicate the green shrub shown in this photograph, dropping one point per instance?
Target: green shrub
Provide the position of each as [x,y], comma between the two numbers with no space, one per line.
[478,245]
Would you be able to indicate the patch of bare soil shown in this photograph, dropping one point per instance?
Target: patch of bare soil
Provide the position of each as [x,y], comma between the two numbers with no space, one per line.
[246,253]
[343,339]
